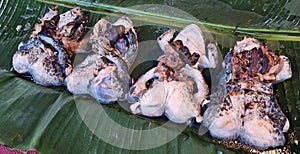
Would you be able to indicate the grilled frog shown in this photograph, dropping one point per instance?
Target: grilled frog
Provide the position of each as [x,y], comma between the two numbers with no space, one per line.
[244,107]
[168,89]
[46,56]
[104,75]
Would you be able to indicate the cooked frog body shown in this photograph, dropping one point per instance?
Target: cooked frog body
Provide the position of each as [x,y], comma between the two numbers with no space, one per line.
[119,37]
[104,78]
[77,82]
[264,122]
[46,62]
[253,117]
[154,99]
[62,55]
[105,74]
[111,82]
[168,90]
[244,107]
[181,106]
[46,56]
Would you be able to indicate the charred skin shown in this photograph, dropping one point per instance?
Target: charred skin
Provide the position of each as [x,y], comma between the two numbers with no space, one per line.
[69,24]
[67,29]
[192,58]
[190,43]
[119,38]
[47,64]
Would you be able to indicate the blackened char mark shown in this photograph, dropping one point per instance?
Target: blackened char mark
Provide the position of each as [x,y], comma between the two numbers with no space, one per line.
[49,26]
[74,31]
[122,45]
[193,59]
[265,62]
[255,61]
[150,82]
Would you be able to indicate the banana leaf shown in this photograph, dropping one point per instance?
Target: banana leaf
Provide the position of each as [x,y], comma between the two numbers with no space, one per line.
[52,120]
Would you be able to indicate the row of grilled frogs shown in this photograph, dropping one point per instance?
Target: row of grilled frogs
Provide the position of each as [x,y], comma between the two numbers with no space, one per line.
[244,107]
[46,56]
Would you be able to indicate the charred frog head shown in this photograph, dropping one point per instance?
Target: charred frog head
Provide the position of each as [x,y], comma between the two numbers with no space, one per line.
[119,37]
[190,42]
[67,28]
